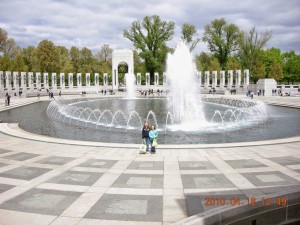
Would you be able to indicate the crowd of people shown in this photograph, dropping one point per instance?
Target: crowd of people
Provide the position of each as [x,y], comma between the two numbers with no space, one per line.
[151,92]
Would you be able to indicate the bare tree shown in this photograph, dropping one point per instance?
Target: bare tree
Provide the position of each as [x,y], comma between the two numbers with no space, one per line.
[104,54]
[250,45]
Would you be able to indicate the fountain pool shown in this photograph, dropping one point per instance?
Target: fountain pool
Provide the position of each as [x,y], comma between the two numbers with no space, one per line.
[281,123]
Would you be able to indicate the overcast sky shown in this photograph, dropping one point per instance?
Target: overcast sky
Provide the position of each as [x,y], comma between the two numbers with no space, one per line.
[92,23]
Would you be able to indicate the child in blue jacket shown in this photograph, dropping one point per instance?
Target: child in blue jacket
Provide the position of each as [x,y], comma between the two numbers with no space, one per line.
[153,135]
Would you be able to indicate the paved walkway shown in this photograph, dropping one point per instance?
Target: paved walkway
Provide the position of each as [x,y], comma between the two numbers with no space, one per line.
[75,183]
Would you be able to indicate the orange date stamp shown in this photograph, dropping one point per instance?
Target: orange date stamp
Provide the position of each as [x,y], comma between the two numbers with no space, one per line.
[251,201]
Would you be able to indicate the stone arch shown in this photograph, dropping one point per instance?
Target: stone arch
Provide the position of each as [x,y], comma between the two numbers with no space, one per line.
[120,58]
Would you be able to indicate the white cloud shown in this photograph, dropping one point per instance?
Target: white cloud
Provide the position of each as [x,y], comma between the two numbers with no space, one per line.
[93,23]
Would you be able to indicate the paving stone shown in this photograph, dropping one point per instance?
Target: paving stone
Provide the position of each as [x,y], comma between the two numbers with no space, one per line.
[245,163]
[146,165]
[22,156]
[204,181]
[3,164]
[286,161]
[127,208]
[41,201]
[98,163]
[5,187]
[150,181]
[275,178]
[2,151]
[24,173]
[196,165]
[56,160]
[76,178]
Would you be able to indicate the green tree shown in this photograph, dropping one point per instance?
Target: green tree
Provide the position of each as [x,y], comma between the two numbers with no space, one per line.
[47,57]
[291,68]
[258,71]
[29,57]
[6,63]
[189,35]
[3,39]
[19,64]
[222,39]
[272,58]
[233,64]
[75,59]
[207,62]
[150,37]
[251,44]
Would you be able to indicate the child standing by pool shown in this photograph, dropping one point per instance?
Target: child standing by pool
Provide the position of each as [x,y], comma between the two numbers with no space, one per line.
[153,135]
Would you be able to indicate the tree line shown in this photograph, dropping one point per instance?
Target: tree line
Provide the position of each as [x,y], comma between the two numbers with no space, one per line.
[229,48]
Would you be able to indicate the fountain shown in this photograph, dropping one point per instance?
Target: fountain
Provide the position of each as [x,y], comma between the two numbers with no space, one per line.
[183,112]
[130,85]
[185,100]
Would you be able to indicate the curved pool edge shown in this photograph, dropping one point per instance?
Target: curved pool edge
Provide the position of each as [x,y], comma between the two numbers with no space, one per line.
[14,130]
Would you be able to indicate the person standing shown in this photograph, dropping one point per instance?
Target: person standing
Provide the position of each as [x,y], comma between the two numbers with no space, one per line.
[7,98]
[145,135]
[153,135]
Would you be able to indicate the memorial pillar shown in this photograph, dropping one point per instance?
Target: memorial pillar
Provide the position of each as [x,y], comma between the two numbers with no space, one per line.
[30,81]
[54,84]
[156,79]
[164,78]
[138,79]
[230,79]
[96,79]
[206,79]
[23,82]
[16,81]
[62,81]
[38,80]
[214,79]
[246,77]
[88,79]
[237,79]
[222,79]
[46,80]
[147,79]
[105,81]
[79,83]
[2,94]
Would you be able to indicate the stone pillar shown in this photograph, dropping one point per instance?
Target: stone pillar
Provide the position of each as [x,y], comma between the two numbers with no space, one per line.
[214,79]
[62,81]
[206,79]
[88,79]
[199,76]
[2,94]
[237,79]
[30,81]
[23,82]
[70,80]
[246,78]
[54,84]
[16,81]
[230,79]
[38,80]
[138,79]
[79,83]
[222,79]
[164,78]
[156,79]
[105,81]
[96,79]
[147,79]
[46,80]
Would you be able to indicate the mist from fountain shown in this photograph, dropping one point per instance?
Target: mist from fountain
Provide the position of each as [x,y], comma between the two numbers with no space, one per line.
[130,85]
[185,99]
